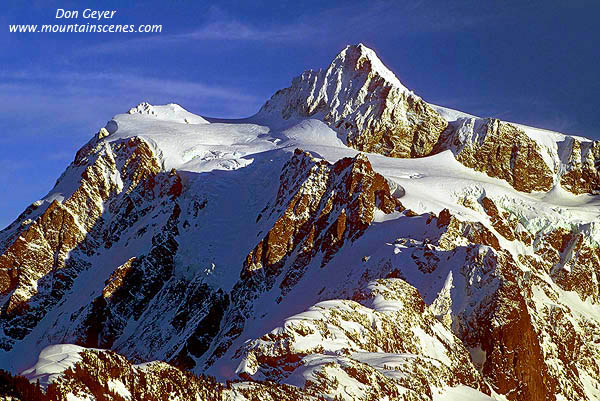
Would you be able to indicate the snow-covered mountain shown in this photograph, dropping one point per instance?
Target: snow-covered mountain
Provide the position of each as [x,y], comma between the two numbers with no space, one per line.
[349,241]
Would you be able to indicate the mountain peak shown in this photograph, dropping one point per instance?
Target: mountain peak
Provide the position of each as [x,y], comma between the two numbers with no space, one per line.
[168,112]
[361,99]
[354,58]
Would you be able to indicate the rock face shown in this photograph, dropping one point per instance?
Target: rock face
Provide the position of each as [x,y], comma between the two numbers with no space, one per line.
[503,150]
[525,357]
[325,206]
[581,172]
[362,100]
[500,150]
[121,198]
[49,244]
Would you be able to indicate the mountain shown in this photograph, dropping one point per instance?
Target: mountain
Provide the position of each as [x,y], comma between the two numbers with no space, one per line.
[349,241]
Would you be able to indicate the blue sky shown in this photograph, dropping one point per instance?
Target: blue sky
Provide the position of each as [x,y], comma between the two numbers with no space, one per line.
[534,62]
